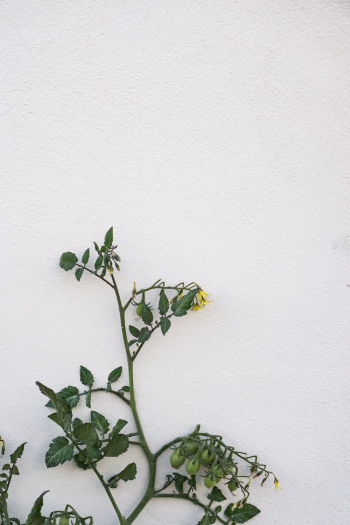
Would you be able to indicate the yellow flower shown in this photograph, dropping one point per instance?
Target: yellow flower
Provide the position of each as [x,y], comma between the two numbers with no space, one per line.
[110,270]
[200,300]
[277,484]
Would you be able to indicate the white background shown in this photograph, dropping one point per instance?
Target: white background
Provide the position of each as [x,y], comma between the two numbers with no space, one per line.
[214,136]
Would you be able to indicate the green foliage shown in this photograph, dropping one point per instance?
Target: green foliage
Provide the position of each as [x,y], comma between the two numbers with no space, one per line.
[242,513]
[118,427]
[68,261]
[163,304]
[165,324]
[99,422]
[127,474]
[60,451]
[35,517]
[115,374]
[146,314]
[116,446]
[86,376]
[86,433]
[206,457]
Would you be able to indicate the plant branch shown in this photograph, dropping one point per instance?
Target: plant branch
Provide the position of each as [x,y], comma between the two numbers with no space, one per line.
[104,484]
[187,498]
[168,445]
[109,391]
[96,275]
[157,325]
[156,286]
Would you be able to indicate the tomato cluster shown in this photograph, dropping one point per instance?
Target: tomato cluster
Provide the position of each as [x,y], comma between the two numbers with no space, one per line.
[201,454]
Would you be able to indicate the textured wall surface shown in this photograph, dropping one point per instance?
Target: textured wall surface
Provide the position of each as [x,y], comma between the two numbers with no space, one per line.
[214,136]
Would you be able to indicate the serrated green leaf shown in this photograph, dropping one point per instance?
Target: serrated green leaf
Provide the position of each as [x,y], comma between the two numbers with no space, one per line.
[99,422]
[109,238]
[88,399]
[86,433]
[54,417]
[98,262]
[179,482]
[35,517]
[243,514]
[115,374]
[127,474]
[192,481]
[86,376]
[134,331]
[165,324]
[205,520]
[80,461]
[71,395]
[60,451]
[93,452]
[97,248]
[68,261]
[76,423]
[144,334]
[181,306]
[7,466]
[17,454]
[78,273]
[216,495]
[146,314]
[64,413]
[132,342]
[86,256]
[118,427]
[116,446]
[163,304]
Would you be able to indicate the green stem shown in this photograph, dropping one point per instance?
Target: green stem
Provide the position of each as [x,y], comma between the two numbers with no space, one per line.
[187,498]
[156,286]
[108,391]
[165,447]
[104,484]
[151,332]
[7,517]
[143,442]
[99,276]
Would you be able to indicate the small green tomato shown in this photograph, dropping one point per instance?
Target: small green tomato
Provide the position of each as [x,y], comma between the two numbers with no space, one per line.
[232,486]
[190,447]
[217,472]
[64,520]
[210,481]
[177,458]
[138,309]
[207,457]
[193,466]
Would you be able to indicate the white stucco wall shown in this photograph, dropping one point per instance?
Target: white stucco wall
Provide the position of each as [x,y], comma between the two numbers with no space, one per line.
[214,136]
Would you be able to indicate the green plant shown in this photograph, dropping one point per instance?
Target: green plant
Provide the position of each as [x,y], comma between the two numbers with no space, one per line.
[206,458]
[35,517]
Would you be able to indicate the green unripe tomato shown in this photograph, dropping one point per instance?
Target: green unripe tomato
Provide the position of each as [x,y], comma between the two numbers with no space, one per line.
[64,520]
[190,447]
[193,466]
[177,458]
[138,309]
[232,486]
[217,471]
[207,457]
[210,481]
